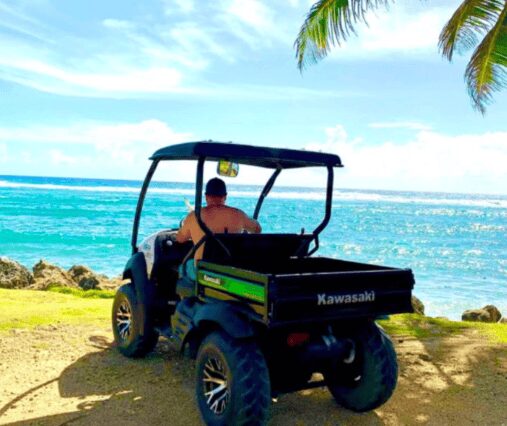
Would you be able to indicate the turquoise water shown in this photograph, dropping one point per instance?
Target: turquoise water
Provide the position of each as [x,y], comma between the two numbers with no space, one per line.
[456,244]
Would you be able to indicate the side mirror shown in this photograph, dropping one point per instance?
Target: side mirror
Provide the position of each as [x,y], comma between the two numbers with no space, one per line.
[227,168]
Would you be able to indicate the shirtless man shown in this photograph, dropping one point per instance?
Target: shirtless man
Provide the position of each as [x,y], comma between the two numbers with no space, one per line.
[218,218]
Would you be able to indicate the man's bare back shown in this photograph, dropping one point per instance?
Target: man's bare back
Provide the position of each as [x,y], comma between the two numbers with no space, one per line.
[218,218]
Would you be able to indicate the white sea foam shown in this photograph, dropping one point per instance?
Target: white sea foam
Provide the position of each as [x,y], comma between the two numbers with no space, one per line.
[317,194]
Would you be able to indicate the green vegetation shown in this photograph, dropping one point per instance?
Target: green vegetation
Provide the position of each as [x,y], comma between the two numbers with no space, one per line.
[78,292]
[64,306]
[31,308]
[423,327]
[479,24]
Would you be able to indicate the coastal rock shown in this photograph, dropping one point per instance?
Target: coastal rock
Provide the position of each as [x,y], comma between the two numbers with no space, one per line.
[13,274]
[85,278]
[47,274]
[488,313]
[494,313]
[417,305]
[112,283]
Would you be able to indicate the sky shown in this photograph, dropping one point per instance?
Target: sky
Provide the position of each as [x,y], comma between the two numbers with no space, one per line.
[91,89]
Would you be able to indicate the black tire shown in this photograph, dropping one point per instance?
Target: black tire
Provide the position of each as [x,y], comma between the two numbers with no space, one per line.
[126,328]
[370,380]
[240,364]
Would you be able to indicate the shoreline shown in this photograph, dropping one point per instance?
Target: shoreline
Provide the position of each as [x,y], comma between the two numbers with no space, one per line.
[46,275]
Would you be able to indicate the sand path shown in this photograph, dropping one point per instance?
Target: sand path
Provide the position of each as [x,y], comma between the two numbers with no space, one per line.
[72,376]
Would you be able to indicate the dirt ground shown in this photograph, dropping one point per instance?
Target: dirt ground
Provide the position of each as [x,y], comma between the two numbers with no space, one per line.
[73,376]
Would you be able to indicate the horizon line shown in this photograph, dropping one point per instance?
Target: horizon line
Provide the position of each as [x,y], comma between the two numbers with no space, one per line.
[284,186]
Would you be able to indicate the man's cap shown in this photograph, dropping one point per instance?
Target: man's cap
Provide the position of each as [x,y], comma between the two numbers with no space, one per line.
[216,187]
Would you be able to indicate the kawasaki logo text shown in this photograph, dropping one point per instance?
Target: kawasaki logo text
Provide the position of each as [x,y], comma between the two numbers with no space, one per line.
[341,299]
[212,280]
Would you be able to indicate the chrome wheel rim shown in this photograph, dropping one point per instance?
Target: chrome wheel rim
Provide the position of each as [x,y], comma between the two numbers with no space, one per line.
[215,385]
[124,320]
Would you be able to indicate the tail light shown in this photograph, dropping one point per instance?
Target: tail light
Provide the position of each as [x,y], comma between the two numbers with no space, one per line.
[297,339]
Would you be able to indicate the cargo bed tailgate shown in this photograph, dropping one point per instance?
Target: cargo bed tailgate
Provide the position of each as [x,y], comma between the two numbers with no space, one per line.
[339,295]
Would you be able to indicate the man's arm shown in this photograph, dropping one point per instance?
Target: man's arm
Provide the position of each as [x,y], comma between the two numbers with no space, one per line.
[251,225]
[184,234]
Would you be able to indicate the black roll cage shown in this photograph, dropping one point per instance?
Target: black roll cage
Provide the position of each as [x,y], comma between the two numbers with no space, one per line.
[330,162]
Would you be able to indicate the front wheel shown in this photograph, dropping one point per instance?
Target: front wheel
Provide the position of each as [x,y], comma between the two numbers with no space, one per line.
[126,327]
[232,383]
[368,380]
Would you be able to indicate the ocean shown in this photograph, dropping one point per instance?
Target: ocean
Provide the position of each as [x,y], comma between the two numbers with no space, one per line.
[456,244]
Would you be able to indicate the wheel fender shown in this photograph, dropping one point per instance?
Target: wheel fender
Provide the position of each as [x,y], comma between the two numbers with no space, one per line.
[136,271]
[228,317]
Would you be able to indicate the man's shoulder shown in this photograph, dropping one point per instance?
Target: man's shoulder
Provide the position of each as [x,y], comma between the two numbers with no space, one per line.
[237,211]
[222,208]
[190,217]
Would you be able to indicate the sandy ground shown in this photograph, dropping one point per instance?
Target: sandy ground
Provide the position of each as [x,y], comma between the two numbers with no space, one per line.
[73,376]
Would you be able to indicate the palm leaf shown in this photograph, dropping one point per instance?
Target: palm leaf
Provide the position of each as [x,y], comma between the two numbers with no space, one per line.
[487,70]
[471,20]
[330,22]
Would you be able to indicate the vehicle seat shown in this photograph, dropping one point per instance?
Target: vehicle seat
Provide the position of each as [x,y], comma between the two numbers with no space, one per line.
[250,249]
[168,256]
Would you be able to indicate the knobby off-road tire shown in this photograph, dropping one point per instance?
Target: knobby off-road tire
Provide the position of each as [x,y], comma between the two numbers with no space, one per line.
[232,385]
[370,380]
[126,327]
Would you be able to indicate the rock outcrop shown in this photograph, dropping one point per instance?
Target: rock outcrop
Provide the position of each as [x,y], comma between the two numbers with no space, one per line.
[13,274]
[417,305]
[488,313]
[111,283]
[85,278]
[46,274]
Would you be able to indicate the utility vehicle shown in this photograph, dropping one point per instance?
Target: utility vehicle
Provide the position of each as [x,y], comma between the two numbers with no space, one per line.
[263,316]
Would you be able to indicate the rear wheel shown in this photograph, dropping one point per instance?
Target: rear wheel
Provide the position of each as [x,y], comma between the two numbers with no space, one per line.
[369,379]
[232,382]
[126,327]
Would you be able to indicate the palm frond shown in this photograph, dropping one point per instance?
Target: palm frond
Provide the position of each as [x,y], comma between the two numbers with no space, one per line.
[487,70]
[473,18]
[330,22]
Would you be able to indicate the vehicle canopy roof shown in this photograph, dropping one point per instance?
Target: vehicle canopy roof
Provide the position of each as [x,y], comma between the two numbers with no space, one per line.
[273,158]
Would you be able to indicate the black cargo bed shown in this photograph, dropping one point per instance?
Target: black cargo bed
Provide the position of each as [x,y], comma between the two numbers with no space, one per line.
[320,288]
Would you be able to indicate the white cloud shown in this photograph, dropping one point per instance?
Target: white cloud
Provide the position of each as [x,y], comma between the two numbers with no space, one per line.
[174,6]
[56,79]
[193,38]
[141,55]
[411,125]
[148,132]
[58,158]
[91,149]
[409,29]
[257,23]
[4,156]
[428,161]
[253,13]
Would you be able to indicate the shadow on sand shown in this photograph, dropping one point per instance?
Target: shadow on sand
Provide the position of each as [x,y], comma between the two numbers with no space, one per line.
[441,382]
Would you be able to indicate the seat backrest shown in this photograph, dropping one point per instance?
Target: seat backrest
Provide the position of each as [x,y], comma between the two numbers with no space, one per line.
[168,256]
[246,247]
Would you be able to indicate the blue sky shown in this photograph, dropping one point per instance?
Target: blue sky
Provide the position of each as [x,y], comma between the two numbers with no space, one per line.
[91,89]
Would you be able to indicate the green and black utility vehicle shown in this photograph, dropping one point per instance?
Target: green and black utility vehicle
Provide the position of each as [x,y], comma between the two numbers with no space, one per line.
[263,316]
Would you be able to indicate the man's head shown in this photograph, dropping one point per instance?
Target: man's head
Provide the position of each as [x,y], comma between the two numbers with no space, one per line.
[216,192]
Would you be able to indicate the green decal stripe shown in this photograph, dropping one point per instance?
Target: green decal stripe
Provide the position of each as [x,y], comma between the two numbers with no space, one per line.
[232,285]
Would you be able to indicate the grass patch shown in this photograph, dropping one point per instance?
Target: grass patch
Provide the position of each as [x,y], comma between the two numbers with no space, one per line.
[31,308]
[79,292]
[423,327]
[61,305]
